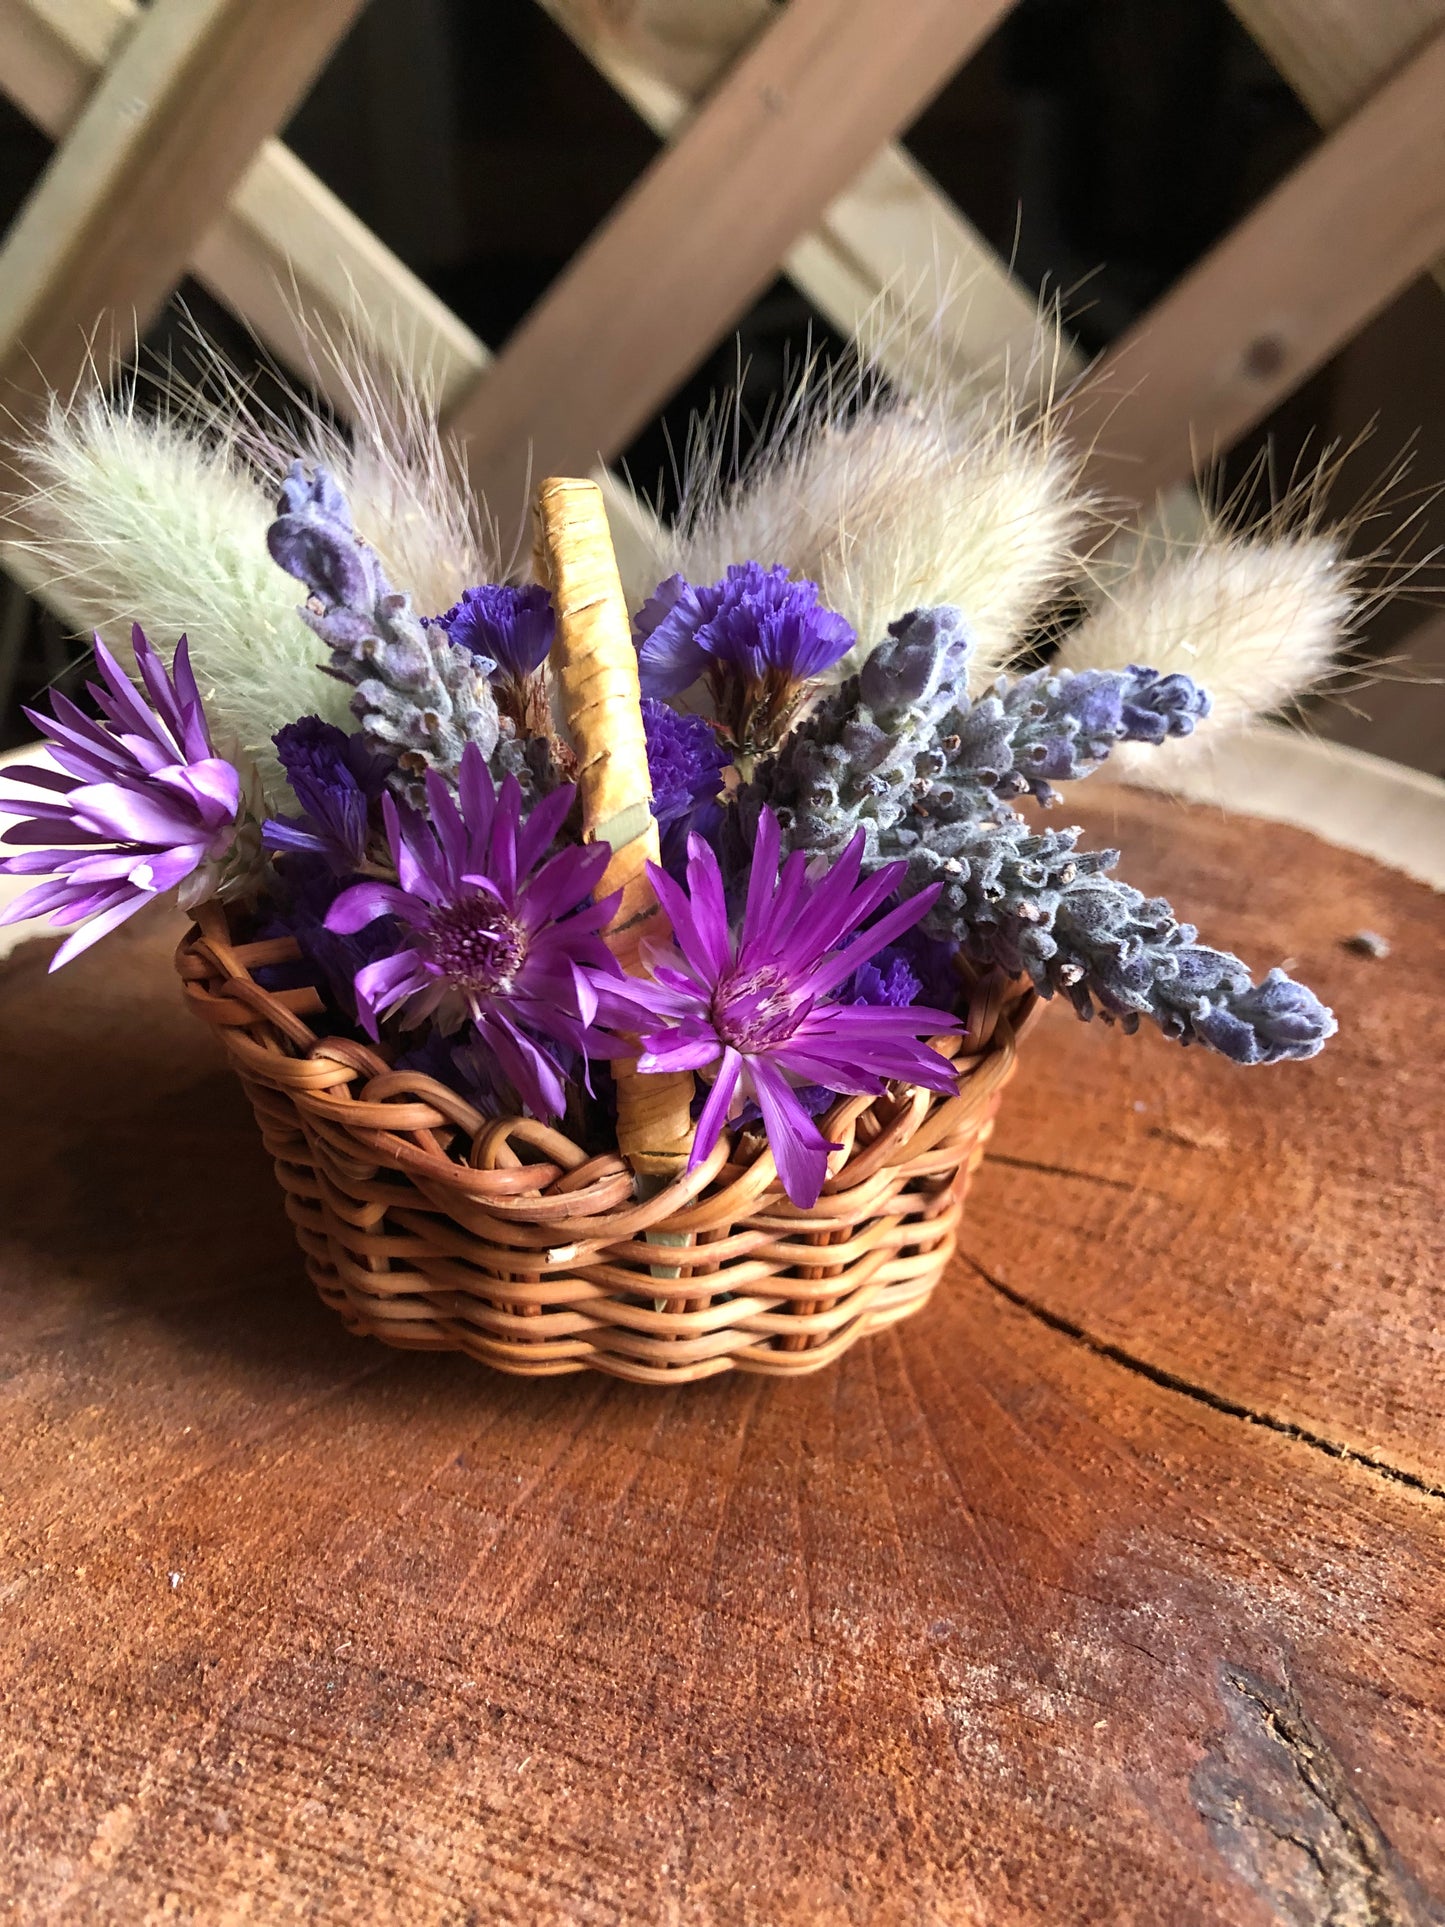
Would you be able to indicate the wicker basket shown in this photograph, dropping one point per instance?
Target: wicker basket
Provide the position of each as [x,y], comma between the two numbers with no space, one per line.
[427,1226]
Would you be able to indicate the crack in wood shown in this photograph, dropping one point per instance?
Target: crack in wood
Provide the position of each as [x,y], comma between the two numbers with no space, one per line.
[1282,1813]
[1202,1394]
[1060,1171]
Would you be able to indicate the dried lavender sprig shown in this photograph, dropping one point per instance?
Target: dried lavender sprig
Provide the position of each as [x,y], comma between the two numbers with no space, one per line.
[903,735]
[417,693]
[1049,727]
[1037,905]
[901,753]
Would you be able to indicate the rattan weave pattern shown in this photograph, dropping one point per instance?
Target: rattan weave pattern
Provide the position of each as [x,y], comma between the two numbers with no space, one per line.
[427,1226]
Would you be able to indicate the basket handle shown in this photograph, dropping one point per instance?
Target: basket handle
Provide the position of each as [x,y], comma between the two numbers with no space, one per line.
[595,663]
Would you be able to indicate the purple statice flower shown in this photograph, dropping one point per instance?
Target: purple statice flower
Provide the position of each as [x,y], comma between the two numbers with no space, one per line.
[510,629]
[758,638]
[685,760]
[465,1065]
[142,803]
[486,933]
[886,979]
[304,889]
[685,764]
[336,779]
[760,1004]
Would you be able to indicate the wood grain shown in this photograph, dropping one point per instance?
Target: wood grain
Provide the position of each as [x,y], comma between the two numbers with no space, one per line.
[1334,53]
[1322,254]
[1328,1315]
[1067,1602]
[704,230]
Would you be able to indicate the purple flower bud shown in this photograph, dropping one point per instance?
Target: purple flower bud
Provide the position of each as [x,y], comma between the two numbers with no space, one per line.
[313,540]
[335,778]
[510,628]
[758,637]
[928,650]
[1275,1019]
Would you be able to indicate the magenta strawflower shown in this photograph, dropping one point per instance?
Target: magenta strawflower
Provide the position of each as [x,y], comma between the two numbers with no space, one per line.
[141,802]
[760,1005]
[487,934]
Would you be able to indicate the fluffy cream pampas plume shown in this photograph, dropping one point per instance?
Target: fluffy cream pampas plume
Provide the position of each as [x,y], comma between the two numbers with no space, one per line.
[888,504]
[152,521]
[1256,619]
[161,519]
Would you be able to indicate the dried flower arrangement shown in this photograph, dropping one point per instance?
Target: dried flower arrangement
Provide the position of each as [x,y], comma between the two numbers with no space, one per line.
[409,849]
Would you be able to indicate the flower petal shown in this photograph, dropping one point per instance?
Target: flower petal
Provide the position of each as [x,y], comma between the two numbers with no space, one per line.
[799,1148]
[832,971]
[131,814]
[527,1066]
[763,876]
[670,658]
[363,903]
[690,1047]
[543,822]
[99,926]
[715,1111]
[709,907]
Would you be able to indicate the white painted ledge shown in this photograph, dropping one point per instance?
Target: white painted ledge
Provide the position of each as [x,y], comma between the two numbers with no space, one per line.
[1357,801]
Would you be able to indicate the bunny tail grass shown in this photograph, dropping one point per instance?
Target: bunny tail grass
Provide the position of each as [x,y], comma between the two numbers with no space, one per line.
[150,521]
[1257,620]
[888,504]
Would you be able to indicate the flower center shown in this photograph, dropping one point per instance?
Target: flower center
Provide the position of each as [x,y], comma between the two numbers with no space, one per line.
[753,1010]
[477,945]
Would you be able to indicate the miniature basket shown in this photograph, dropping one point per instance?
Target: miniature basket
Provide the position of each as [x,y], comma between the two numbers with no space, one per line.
[428,1226]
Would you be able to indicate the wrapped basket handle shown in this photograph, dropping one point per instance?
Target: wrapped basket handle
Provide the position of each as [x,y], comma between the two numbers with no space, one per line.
[595,663]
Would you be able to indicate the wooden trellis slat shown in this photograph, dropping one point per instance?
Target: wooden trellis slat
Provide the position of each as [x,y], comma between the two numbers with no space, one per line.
[174,122]
[705,228]
[1334,53]
[890,249]
[283,247]
[1321,255]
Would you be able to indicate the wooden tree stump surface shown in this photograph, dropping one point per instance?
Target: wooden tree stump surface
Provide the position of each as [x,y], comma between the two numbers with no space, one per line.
[1110,1588]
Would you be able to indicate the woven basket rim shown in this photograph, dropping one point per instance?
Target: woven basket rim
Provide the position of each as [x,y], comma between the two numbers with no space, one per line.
[412,1122]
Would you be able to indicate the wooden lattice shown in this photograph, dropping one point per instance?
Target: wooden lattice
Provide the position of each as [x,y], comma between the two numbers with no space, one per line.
[778,125]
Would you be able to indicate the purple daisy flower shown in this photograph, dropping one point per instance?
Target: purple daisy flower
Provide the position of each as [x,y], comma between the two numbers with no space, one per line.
[758,638]
[335,778]
[761,1006]
[488,935]
[511,628]
[143,803]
